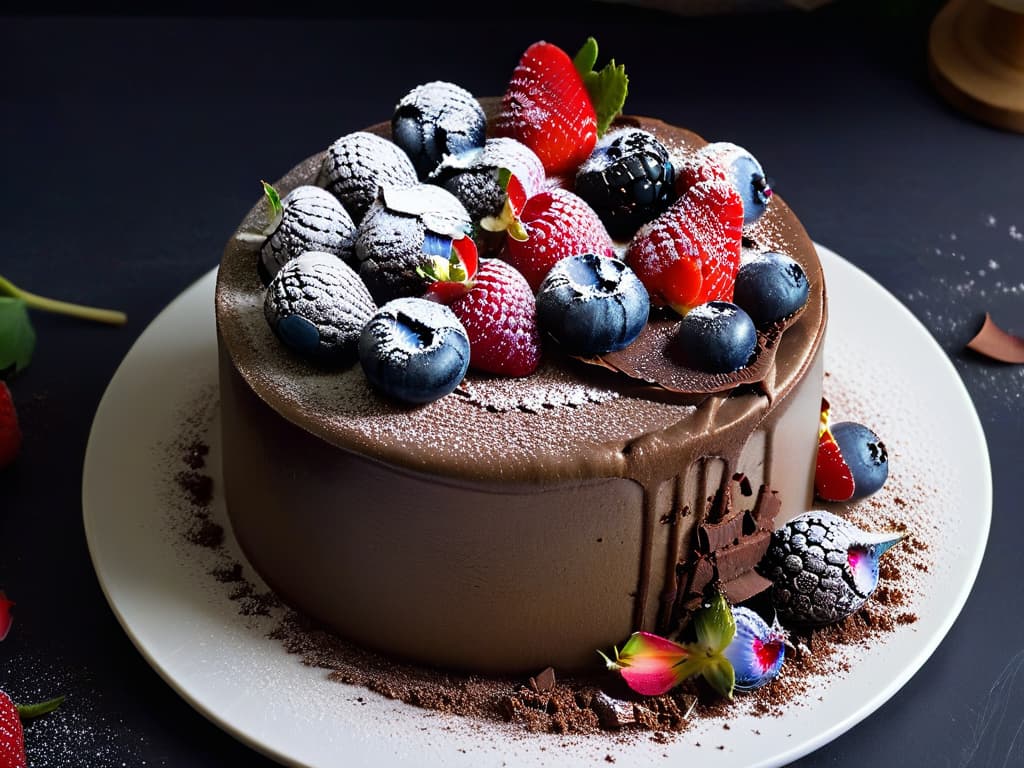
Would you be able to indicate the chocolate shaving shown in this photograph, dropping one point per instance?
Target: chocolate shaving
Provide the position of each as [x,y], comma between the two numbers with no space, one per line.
[995,343]
[543,682]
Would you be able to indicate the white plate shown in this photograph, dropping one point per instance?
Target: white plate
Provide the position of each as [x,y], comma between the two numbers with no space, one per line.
[224,665]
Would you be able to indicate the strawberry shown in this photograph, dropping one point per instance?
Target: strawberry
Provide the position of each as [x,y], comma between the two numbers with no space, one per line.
[558,106]
[691,253]
[12,735]
[497,308]
[10,432]
[5,615]
[555,224]
[698,167]
[833,479]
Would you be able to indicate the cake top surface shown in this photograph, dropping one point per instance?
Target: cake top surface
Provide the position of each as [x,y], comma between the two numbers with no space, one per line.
[566,421]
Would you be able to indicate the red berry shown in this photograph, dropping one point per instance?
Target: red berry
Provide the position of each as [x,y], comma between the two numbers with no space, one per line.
[547,107]
[5,615]
[12,736]
[833,479]
[10,432]
[499,313]
[558,223]
[698,167]
[691,253]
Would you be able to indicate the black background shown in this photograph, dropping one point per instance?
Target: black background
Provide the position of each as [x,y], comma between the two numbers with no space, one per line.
[131,146]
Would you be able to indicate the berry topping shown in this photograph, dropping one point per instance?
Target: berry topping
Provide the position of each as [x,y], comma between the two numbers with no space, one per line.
[12,734]
[550,102]
[414,350]
[770,287]
[391,242]
[5,615]
[499,313]
[317,305]
[757,650]
[475,177]
[833,480]
[556,224]
[10,432]
[308,219]
[717,337]
[823,567]
[745,174]
[358,164]
[628,179]
[592,305]
[437,119]
[690,254]
[864,454]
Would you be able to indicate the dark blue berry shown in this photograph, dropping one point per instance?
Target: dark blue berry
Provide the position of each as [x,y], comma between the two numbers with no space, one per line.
[628,180]
[414,350]
[746,175]
[865,455]
[437,119]
[592,305]
[317,305]
[717,337]
[769,287]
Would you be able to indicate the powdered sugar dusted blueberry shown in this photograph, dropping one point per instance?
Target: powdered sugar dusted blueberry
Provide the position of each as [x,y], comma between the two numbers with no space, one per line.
[312,219]
[390,241]
[592,305]
[717,337]
[746,175]
[473,176]
[317,305]
[358,164]
[628,179]
[770,286]
[414,350]
[437,119]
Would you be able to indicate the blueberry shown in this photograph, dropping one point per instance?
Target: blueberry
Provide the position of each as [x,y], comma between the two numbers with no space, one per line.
[317,305]
[414,350]
[717,337]
[592,305]
[746,175]
[865,454]
[437,119]
[769,287]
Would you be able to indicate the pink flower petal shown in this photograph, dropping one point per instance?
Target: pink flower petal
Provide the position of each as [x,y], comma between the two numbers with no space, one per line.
[651,665]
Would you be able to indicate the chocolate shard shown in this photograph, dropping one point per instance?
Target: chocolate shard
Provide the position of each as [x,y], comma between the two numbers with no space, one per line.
[745,587]
[612,713]
[744,483]
[995,343]
[714,536]
[544,681]
[735,560]
[767,508]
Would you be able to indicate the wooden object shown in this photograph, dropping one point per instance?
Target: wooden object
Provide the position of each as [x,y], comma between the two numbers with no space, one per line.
[976,59]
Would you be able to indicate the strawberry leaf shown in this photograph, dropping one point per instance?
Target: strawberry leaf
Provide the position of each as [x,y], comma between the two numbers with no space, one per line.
[608,88]
[17,336]
[28,711]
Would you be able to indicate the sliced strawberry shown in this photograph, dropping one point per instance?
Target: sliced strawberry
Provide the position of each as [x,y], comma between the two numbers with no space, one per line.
[556,223]
[833,480]
[450,273]
[547,107]
[499,313]
[691,253]
[10,432]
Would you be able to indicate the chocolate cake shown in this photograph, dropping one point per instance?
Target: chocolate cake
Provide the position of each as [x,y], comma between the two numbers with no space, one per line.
[516,523]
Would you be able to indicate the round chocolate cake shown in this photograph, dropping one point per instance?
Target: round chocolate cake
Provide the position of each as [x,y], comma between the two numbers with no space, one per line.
[517,522]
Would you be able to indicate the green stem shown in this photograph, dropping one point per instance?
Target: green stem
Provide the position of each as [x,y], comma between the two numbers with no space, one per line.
[27,711]
[109,316]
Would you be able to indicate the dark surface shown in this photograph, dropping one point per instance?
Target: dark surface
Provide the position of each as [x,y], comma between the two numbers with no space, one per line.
[131,148]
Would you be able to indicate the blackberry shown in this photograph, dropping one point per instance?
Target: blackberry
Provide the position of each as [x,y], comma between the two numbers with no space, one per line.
[628,179]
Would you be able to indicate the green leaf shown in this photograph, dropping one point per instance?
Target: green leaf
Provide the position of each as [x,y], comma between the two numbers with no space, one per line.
[17,336]
[720,675]
[586,58]
[274,198]
[28,711]
[715,625]
[608,88]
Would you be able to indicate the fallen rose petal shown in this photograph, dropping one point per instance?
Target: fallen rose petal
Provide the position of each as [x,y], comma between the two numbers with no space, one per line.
[995,343]
[5,615]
